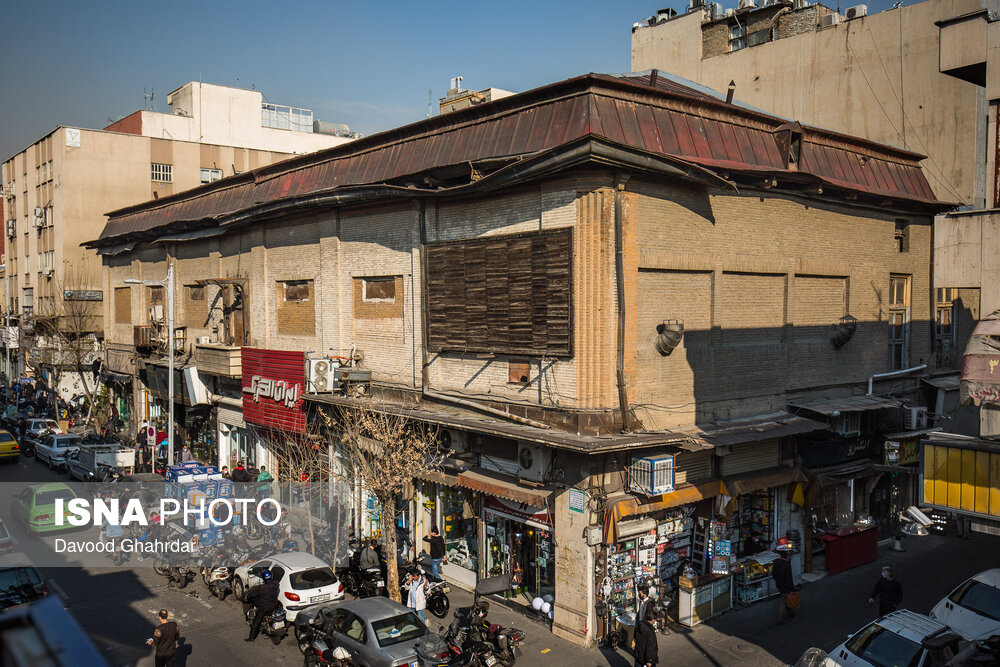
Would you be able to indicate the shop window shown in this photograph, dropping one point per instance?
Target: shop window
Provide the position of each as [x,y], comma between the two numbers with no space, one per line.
[459,522]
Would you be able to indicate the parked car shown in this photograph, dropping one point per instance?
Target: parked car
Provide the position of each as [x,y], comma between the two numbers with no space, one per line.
[35,427]
[35,506]
[973,609]
[903,638]
[19,585]
[52,448]
[6,541]
[303,580]
[376,631]
[10,451]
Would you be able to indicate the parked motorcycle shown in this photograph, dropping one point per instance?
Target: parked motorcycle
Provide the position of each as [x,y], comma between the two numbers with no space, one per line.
[217,578]
[175,569]
[316,649]
[437,590]
[506,642]
[275,624]
[459,650]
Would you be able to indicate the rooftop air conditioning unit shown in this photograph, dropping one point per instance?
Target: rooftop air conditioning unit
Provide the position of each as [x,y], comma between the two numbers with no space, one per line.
[319,375]
[800,4]
[730,12]
[652,475]
[715,11]
[534,461]
[856,12]
[915,418]
[829,20]
[156,314]
[747,4]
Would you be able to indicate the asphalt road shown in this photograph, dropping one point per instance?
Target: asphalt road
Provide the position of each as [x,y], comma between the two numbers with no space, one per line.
[117,608]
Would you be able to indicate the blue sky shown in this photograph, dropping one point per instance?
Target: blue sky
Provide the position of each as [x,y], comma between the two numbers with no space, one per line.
[369,65]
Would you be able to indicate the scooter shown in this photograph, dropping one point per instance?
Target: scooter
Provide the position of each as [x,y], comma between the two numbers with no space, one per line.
[315,646]
[275,624]
[506,642]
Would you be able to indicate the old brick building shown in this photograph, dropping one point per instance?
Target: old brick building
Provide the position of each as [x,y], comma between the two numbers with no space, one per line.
[604,268]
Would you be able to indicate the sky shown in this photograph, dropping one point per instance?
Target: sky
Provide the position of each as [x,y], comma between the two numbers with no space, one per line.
[366,64]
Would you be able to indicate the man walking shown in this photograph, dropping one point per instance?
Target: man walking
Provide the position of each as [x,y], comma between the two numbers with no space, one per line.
[888,591]
[417,597]
[642,614]
[436,543]
[165,639]
[781,571]
[186,454]
[646,654]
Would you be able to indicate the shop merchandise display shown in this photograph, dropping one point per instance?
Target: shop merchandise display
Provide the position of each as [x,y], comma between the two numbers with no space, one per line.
[753,578]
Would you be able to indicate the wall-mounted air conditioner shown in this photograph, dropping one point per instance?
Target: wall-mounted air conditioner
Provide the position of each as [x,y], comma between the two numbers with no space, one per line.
[203,340]
[39,219]
[48,272]
[11,228]
[800,4]
[914,418]
[319,375]
[829,20]
[856,12]
[533,461]
[453,440]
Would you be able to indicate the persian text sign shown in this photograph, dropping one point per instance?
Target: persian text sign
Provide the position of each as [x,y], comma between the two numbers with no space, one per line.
[273,383]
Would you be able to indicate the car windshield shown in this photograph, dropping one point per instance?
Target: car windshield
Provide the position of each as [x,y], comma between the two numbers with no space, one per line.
[68,442]
[979,598]
[12,577]
[50,497]
[49,423]
[314,578]
[390,631]
[882,648]
[6,437]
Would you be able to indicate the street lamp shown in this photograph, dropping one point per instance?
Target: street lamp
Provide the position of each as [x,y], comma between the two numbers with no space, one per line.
[168,282]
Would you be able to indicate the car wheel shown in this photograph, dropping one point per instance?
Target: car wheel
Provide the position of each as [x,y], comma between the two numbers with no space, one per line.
[238,589]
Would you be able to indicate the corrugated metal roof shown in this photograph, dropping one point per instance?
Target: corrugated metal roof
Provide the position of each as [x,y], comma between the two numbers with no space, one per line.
[754,429]
[827,406]
[667,118]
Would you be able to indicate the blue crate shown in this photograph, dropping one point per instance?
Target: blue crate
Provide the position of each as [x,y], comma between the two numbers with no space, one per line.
[211,488]
[225,488]
[211,470]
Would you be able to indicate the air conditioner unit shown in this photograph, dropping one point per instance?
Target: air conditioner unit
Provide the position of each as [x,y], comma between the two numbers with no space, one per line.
[768,3]
[715,11]
[829,20]
[453,440]
[196,390]
[746,4]
[203,340]
[142,336]
[534,461]
[48,272]
[652,475]
[319,375]
[856,12]
[156,314]
[11,229]
[914,418]
[730,12]
[800,4]
[39,217]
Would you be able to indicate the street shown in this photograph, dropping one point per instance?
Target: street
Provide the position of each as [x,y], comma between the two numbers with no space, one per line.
[117,607]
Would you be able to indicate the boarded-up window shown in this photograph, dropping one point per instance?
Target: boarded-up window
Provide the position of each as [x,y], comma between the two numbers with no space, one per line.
[378,297]
[518,371]
[505,294]
[123,305]
[156,296]
[295,313]
[195,308]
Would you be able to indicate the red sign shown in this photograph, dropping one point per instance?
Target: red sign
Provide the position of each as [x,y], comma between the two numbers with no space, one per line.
[273,385]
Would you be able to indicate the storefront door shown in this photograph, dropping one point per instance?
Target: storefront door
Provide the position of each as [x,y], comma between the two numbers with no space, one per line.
[519,542]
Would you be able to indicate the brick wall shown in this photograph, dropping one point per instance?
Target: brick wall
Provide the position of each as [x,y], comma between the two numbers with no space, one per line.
[295,311]
[758,285]
[801,20]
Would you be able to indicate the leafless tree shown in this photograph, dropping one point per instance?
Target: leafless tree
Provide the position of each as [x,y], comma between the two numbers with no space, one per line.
[383,452]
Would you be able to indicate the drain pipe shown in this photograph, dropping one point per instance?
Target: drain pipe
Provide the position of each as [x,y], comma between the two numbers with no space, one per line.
[891,374]
[424,380]
[620,284]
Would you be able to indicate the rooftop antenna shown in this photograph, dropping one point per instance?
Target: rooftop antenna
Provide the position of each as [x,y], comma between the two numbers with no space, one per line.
[148,99]
[429,102]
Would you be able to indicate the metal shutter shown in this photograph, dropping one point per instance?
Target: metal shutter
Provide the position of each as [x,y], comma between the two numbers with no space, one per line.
[692,467]
[751,456]
[231,416]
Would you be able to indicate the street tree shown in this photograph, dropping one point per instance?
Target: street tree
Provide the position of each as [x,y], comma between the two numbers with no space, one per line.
[383,453]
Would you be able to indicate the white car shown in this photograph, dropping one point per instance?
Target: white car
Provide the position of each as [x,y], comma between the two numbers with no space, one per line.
[53,448]
[903,638]
[35,427]
[973,609]
[303,580]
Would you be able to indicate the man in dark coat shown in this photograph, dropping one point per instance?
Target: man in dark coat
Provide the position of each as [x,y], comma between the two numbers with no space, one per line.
[888,591]
[646,654]
[781,571]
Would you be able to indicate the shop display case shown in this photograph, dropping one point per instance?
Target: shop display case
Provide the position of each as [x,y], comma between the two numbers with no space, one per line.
[753,578]
[703,597]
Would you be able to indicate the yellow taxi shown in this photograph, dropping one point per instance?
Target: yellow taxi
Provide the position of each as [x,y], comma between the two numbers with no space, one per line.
[9,449]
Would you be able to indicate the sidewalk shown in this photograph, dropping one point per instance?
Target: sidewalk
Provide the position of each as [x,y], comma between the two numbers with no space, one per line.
[833,607]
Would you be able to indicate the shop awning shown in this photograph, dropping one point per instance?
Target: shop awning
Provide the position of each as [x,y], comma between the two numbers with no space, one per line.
[521,512]
[760,481]
[754,429]
[827,406]
[437,477]
[493,486]
[682,496]
[946,382]
[905,435]
[842,472]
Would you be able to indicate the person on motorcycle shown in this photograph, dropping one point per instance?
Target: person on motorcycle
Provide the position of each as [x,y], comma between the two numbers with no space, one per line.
[264,597]
[369,556]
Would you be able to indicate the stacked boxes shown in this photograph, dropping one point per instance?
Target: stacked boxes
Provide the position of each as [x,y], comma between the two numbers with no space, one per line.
[196,484]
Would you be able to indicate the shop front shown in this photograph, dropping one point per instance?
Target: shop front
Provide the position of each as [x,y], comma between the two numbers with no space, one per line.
[518,541]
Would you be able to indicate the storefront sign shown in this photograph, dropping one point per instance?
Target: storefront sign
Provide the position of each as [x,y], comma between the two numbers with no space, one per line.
[827,452]
[508,509]
[273,384]
[577,500]
[83,295]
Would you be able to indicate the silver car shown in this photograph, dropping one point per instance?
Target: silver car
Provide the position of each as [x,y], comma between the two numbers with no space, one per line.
[376,631]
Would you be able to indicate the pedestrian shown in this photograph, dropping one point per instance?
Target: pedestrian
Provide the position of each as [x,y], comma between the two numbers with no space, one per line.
[240,475]
[416,599]
[646,654]
[436,543]
[186,454]
[225,472]
[165,639]
[369,556]
[781,571]
[888,591]
[754,545]
[642,613]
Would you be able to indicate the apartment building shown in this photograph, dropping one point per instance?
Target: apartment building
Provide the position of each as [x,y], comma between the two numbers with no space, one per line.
[57,190]
[574,284]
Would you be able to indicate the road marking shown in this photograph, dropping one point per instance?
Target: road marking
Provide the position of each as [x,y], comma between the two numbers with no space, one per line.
[59,589]
[546,650]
